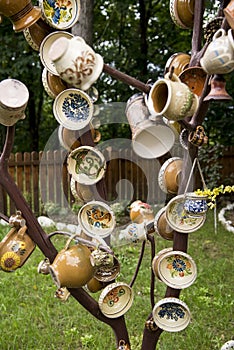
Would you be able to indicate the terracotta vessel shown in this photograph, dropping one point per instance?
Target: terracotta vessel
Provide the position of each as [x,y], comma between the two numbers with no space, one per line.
[21,13]
[218,89]
[194,78]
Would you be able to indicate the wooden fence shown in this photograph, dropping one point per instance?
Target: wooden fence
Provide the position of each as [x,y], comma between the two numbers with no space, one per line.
[42,177]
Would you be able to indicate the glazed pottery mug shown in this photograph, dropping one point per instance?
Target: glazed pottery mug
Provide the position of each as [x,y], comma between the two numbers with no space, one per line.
[14,97]
[219,55]
[62,294]
[195,205]
[134,232]
[100,258]
[198,137]
[171,98]
[21,13]
[15,249]
[71,267]
[76,62]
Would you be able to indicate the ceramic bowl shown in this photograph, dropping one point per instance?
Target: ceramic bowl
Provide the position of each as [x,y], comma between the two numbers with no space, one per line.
[45,47]
[229,345]
[175,16]
[115,299]
[52,84]
[179,61]
[169,175]
[185,12]
[73,109]
[171,314]
[96,219]
[61,15]
[194,78]
[178,219]
[108,274]
[156,259]
[161,226]
[176,269]
[86,165]
[81,193]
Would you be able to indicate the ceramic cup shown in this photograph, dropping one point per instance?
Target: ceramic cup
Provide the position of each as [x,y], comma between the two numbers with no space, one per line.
[219,55]
[14,97]
[171,98]
[134,233]
[198,137]
[195,205]
[21,13]
[71,267]
[15,249]
[76,62]
[43,267]
[95,285]
[229,13]
[16,220]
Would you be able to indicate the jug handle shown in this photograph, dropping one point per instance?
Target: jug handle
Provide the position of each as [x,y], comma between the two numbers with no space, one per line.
[172,77]
[78,38]
[22,232]
[218,34]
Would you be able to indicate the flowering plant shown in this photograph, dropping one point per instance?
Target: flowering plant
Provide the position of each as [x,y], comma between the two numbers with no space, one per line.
[212,194]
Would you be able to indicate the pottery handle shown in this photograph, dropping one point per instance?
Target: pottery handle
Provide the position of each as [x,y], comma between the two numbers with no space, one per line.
[69,241]
[172,77]
[221,32]
[230,37]
[22,232]
[78,38]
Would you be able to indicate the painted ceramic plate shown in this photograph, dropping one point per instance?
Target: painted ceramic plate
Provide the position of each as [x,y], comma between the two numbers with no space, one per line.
[60,14]
[171,314]
[115,299]
[45,47]
[161,175]
[73,109]
[161,226]
[86,165]
[174,15]
[156,259]
[96,219]
[178,219]
[177,269]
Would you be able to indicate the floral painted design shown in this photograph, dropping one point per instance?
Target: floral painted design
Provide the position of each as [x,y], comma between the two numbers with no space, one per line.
[76,108]
[88,163]
[59,11]
[99,218]
[179,266]
[10,261]
[171,311]
[113,296]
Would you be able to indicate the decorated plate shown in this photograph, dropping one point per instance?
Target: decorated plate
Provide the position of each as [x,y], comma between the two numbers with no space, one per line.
[86,165]
[178,219]
[73,109]
[96,219]
[177,269]
[60,14]
[115,299]
[156,259]
[174,15]
[171,314]
[161,175]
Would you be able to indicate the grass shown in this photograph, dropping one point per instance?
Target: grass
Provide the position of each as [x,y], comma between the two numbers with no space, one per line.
[31,318]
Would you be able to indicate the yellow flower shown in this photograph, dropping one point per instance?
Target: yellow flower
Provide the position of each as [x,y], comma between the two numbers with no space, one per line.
[212,194]
[10,261]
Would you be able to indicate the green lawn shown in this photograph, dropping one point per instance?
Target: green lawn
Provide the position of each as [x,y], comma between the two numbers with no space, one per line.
[32,318]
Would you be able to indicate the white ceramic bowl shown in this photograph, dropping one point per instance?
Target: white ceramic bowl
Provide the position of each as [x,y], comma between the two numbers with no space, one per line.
[60,15]
[171,314]
[73,109]
[229,345]
[115,299]
[168,176]
[96,219]
[86,165]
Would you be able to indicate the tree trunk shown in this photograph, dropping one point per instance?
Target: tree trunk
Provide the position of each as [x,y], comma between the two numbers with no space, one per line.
[84,27]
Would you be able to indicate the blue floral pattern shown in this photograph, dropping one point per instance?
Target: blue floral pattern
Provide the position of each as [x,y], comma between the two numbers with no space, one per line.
[76,108]
[171,311]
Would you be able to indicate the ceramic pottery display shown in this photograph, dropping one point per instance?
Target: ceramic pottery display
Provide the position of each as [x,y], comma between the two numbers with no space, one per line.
[134,233]
[45,47]
[61,15]
[106,274]
[16,220]
[73,109]
[194,78]
[171,98]
[71,267]
[86,165]
[76,62]
[169,175]
[96,219]
[52,84]
[21,13]
[81,193]
[176,269]
[195,205]
[14,97]
[229,13]
[156,259]
[36,33]
[62,294]
[219,55]
[198,136]
[115,299]
[161,226]
[229,345]
[141,212]
[178,219]
[182,13]
[44,267]
[179,61]
[171,314]
[15,249]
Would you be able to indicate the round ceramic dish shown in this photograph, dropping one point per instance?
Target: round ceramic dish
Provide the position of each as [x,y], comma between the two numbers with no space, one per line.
[96,219]
[174,15]
[161,226]
[171,314]
[104,274]
[115,299]
[80,192]
[229,345]
[52,84]
[176,269]
[73,109]
[45,47]
[178,219]
[168,175]
[185,12]
[194,78]
[60,14]
[68,139]
[179,61]
[156,259]
[86,165]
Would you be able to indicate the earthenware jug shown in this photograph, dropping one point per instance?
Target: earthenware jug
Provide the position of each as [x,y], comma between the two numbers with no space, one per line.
[171,98]
[71,267]
[21,13]
[219,55]
[76,62]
